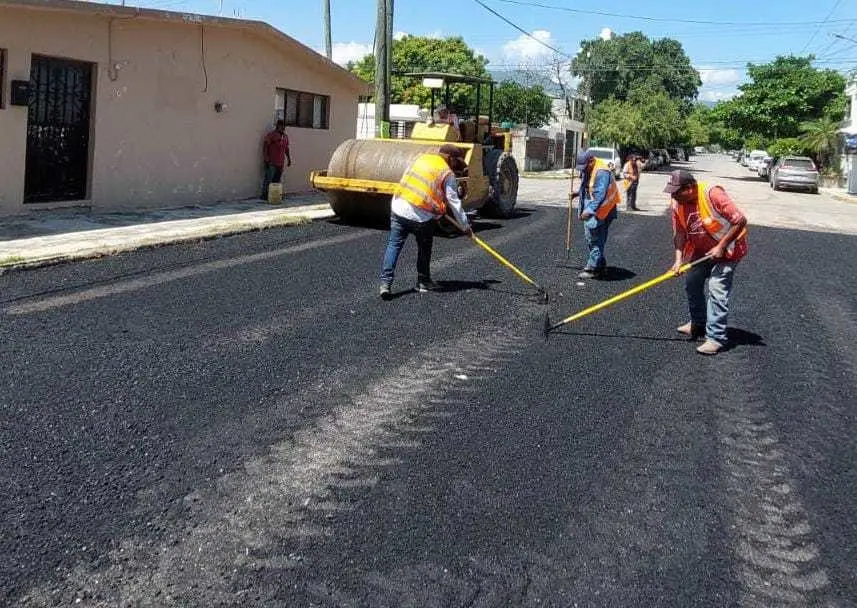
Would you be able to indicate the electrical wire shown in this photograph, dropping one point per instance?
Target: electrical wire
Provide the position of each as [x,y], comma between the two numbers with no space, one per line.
[815,32]
[664,19]
[522,30]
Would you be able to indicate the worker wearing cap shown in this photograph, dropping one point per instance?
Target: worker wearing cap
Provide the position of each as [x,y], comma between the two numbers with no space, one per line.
[427,189]
[706,222]
[599,197]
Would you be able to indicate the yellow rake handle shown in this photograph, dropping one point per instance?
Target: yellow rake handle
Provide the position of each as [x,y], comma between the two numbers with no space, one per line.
[631,292]
[494,253]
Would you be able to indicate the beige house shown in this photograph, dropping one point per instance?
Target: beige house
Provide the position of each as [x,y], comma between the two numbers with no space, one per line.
[114,106]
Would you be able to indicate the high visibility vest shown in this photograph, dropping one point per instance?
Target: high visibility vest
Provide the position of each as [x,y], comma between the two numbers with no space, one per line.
[422,183]
[631,169]
[613,195]
[712,221]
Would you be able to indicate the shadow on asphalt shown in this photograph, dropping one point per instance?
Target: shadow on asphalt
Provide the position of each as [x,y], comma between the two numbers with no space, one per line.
[746,178]
[614,273]
[737,337]
[742,337]
[449,287]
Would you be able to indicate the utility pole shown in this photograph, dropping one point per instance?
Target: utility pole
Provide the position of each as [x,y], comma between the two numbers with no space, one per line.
[328,45]
[383,43]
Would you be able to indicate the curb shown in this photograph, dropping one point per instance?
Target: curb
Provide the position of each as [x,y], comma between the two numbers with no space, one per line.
[44,251]
[847,198]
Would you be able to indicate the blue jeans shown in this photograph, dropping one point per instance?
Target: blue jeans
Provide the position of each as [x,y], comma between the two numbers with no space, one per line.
[596,240]
[713,311]
[273,174]
[400,228]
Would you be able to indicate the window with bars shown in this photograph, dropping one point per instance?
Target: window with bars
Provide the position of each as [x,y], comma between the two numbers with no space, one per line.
[301,109]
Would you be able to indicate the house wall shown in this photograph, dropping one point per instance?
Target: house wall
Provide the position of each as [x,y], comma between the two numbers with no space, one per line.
[156,138]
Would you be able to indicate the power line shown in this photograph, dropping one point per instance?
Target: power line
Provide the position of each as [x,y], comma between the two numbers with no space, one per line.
[815,32]
[663,19]
[520,29]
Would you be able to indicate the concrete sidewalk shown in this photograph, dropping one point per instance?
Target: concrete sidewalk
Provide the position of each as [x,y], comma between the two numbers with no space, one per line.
[46,237]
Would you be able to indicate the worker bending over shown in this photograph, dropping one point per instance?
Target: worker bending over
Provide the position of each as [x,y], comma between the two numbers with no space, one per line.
[706,222]
[599,196]
[426,190]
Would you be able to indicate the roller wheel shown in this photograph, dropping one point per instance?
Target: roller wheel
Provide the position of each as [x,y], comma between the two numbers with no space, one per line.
[503,177]
[359,208]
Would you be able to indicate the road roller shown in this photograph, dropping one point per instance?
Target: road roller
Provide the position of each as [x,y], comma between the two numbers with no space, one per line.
[363,174]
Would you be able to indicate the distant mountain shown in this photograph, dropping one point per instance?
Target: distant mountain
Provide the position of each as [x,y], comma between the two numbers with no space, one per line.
[528,78]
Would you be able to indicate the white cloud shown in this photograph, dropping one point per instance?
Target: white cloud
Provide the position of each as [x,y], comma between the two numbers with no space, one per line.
[399,35]
[524,48]
[719,77]
[712,95]
[343,52]
[606,34]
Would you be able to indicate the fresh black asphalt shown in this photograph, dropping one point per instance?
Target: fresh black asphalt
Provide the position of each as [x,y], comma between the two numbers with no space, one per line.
[267,432]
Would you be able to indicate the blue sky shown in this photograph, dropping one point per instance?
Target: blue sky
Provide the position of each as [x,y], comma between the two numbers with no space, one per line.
[744,31]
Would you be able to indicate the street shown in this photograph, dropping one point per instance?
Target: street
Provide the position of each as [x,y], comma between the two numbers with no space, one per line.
[243,422]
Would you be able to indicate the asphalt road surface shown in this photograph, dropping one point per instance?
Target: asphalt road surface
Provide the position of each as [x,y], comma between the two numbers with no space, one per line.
[242,422]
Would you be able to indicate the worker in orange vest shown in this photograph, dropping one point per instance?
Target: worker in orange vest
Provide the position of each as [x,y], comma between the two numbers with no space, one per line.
[427,189]
[631,179]
[599,197]
[706,222]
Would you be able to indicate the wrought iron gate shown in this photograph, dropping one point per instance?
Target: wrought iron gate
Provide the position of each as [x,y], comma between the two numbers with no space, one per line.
[58,130]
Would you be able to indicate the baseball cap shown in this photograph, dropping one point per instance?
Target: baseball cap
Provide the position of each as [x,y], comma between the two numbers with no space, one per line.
[583,157]
[455,153]
[678,180]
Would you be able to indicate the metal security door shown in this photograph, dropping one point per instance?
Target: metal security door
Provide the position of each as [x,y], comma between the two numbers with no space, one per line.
[58,130]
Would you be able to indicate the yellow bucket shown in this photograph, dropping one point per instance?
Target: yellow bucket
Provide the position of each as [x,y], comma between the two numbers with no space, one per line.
[275,193]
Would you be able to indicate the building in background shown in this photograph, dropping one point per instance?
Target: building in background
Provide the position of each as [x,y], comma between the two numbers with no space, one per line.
[112,106]
[403,117]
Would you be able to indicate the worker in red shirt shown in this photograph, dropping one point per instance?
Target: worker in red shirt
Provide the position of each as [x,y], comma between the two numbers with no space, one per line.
[275,153]
[706,222]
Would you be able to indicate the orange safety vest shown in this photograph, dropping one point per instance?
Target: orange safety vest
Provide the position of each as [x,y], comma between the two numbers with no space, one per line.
[422,183]
[613,195]
[714,224]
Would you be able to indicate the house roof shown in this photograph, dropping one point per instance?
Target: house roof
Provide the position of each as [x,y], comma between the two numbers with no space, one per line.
[258,27]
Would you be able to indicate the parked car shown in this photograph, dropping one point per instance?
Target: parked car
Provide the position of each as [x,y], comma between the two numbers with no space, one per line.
[611,155]
[764,166]
[754,158]
[798,172]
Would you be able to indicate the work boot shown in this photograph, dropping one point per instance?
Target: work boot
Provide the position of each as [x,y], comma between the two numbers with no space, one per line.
[689,329]
[384,291]
[709,347]
[425,285]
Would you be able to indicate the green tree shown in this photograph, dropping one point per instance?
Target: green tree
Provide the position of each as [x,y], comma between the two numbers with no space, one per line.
[785,146]
[781,96]
[516,103]
[618,66]
[424,54]
[698,127]
[649,119]
[820,137]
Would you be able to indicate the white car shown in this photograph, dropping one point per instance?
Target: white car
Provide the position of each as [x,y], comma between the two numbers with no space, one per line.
[755,157]
[611,155]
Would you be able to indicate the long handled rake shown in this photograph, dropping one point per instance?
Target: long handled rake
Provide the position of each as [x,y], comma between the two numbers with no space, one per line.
[501,259]
[622,296]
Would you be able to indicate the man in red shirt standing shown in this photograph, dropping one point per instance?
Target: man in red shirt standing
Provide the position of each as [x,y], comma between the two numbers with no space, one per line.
[275,153]
[706,222]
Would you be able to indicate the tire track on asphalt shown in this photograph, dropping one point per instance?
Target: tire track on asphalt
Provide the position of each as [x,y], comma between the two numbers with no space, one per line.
[277,498]
[772,537]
